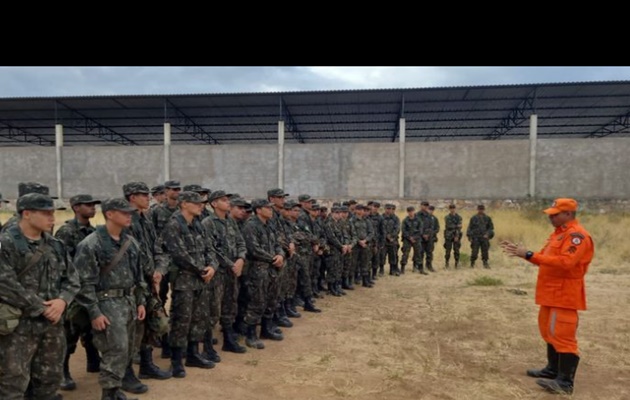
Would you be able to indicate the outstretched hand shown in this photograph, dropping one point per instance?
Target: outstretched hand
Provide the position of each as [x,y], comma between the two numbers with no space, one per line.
[513,249]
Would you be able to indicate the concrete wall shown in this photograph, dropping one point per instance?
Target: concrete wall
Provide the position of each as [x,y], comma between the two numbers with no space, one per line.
[247,170]
[469,169]
[342,170]
[583,168]
[22,164]
[102,171]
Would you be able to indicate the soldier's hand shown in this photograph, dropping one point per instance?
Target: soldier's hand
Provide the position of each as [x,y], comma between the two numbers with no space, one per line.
[513,249]
[425,237]
[238,267]
[292,247]
[54,310]
[142,313]
[157,278]
[485,236]
[208,273]
[320,252]
[315,248]
[278,260]
[101,323]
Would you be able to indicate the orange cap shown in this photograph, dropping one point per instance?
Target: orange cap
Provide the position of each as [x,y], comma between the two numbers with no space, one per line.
[560,205]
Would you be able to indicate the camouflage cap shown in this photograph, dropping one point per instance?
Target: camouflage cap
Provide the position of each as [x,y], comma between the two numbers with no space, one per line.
[236,195]
[277,192]
[450,206]
[289,204]
[259,203]
[344,208]
[424,203]
[196,188]
[172,185]
[304,197]
[352,202]
[158,189]
[376,204]
[239,202]
[345,203]
[35,201]
[336,204]
[390,206]
[83,199]
[335,209]
[411,208]
[135,188]
[3,200]
[369,203]
[190,197]
[117,204]
[315,207]
[217,194]
[33,187]
[431,208]
[481,207]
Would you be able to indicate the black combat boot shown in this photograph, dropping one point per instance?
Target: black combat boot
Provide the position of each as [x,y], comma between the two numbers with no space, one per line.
[366,282]
[289,306]
[381,270]
[109,394]
[92,356]
[229,341]
[486,265]
[421,270]
[148,369]
[67,383]
[195,359]
[252,340]
[320,284]
[297,299]
[338,287]
[281,318]
[332,291]
[176,362]
[267,331]
[166,347]
[374,274]
[430,267]
[446,264]
[131,383]
[563,384]
[550,371]
[209,353]
[350,285]
[472,264]
[345,284]
[309,306]
[457,263]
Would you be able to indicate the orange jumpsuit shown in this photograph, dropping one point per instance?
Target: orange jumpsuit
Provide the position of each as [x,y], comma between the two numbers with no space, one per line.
[560,290]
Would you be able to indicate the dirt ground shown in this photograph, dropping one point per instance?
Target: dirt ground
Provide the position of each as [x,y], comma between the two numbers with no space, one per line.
[416,337]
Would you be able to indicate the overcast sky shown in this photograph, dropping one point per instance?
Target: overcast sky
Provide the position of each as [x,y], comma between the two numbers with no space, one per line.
[78,81]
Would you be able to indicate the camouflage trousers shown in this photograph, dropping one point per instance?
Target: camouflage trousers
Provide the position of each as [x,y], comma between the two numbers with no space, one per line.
[391,254]
[304,264]
[333,266]
[116,343]
[450,243]
[75,332]
[346,262]
[316,272]
[382,254]
[376,257]
[189,316]
[288,278]
[479,243]
[33,352]
[261,291]
[426,253]
[406,249]
[363,260]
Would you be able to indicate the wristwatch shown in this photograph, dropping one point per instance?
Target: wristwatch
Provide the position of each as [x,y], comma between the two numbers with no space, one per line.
[529,255]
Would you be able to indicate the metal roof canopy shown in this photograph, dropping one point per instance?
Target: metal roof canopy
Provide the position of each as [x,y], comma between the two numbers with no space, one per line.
[565,110]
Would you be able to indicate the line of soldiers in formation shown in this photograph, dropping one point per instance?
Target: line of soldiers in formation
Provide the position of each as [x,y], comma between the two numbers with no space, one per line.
[241,265]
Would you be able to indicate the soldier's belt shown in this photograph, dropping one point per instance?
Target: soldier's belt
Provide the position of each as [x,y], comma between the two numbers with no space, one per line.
[114,293]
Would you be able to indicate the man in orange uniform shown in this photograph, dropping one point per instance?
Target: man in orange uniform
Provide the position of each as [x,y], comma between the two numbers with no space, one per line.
[560,293]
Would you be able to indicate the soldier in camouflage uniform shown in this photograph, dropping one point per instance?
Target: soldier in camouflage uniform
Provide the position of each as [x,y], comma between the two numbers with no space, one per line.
[427,242]
[391,230]
[156,266]
[238,212]
[335,240]
[305,243]
[317,232]
[160,215]
[265,257]
[193,267]
[379,239]
[412,239]
[350,240]
[113,291]
[480,231]
[26,188]
[224,287]
[41,288]
[158,193]
[2,201]
[452,235]
[71,233]
[434,233]
[365,235]
[289,276]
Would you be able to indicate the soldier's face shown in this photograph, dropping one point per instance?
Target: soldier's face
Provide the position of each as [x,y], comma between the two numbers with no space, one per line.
[86,210]
[481,212]
[140,200]
[277,201]
[120,218]
[39,219]
[159,197]
[238,213]
[266,212]
[172,194]
[451,210]
[411,213]
[222,204]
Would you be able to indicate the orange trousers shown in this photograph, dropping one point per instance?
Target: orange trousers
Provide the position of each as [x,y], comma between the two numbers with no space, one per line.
[558,327]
